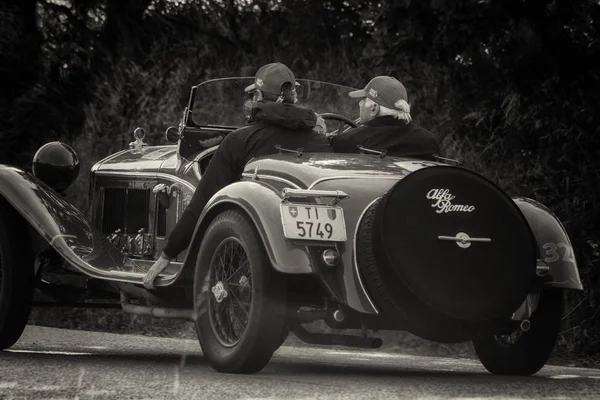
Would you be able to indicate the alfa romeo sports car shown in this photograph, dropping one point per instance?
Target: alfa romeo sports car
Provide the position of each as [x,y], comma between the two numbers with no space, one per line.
[364,242]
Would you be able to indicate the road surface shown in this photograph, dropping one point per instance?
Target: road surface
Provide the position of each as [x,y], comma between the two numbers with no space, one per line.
[50,363]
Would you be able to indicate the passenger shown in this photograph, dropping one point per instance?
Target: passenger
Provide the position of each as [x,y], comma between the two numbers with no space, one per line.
[386,123]
[274,120]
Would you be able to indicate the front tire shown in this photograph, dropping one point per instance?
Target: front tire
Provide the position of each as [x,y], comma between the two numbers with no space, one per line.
[235,286]
[16,275]
[530,350]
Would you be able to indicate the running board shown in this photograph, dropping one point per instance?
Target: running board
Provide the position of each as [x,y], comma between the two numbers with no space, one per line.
[129,270]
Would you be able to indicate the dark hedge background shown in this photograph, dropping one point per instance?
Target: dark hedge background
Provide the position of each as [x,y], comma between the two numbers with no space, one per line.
[511,85]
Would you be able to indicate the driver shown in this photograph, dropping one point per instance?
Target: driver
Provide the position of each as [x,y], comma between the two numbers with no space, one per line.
[386,123]
[274,119]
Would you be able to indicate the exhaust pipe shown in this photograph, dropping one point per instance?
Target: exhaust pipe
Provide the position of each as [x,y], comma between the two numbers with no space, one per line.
[335,339]
[156,312]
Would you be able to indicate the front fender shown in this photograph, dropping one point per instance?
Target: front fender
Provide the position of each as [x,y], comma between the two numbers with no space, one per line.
[261,204]
[554,243]
[65,228]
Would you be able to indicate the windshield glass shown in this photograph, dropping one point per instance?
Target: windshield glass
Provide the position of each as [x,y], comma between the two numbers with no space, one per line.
[220,101]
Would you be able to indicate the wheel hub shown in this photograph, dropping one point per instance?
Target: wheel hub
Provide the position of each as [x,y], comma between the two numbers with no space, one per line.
[219,291]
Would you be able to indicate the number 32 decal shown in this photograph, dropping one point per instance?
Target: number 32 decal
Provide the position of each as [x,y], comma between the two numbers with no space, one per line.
[553,252]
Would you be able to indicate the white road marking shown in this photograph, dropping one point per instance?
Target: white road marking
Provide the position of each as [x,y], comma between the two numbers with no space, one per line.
[44,388]
[574,376]
[566,376]
[427,359]
[80,380]
[176,382]
[489,398]
[367,354]
[60,353]
[94,392]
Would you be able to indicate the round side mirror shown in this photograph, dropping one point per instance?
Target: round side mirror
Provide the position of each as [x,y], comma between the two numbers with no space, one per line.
[172,134]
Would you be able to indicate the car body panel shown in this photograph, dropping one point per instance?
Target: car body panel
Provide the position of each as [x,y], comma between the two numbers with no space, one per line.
[554,244]
[260,196]
[306,170]
[66,229]
[261,203]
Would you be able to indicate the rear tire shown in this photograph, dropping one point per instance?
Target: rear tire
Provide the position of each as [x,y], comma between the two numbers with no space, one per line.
[531,350]
[16,275]
[216,300]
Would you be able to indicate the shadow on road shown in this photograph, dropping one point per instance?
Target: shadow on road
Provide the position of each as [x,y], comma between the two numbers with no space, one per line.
[289,367]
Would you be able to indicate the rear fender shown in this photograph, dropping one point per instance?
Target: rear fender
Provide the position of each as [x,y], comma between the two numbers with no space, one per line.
[65,228]
[555,247]
[261,204]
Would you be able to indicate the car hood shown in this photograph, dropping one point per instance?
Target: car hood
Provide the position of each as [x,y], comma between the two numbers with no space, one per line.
[149,160]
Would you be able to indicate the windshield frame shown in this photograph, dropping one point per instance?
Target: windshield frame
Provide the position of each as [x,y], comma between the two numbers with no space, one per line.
[188,120]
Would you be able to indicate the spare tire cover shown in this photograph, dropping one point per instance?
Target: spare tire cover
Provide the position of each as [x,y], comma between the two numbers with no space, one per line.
[474,281]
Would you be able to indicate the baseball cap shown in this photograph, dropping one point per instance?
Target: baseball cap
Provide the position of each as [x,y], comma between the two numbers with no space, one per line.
[385,91]
[270,77]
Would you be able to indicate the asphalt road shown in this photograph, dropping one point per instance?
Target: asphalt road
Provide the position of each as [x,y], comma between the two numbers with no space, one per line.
[52,363]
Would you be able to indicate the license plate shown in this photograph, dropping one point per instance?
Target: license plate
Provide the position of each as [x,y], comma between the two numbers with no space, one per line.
[313,222]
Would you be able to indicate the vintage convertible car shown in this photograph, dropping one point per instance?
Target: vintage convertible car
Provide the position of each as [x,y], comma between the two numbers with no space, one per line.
[364,242]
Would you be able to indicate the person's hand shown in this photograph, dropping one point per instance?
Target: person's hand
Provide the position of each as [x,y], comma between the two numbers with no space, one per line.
[321,126]
[159,266]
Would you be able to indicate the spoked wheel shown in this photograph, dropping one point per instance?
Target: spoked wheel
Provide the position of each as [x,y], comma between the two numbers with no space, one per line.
[239,298]
[16,275]
[231,289]
[521,352]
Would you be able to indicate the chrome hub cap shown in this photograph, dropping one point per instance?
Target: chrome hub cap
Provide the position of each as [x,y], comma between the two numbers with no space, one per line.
[219,292]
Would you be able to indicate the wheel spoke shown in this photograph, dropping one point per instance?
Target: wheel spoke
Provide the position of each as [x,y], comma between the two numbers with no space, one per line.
[229,317]
[239,303]
[245,263]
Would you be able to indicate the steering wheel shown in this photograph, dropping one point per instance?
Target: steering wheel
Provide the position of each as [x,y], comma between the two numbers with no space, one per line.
[343,121]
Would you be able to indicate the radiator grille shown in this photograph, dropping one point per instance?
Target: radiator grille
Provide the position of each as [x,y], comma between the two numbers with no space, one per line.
[125,209]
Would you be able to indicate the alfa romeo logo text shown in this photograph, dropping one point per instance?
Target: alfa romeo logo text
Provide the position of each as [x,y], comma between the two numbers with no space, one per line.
[443,202]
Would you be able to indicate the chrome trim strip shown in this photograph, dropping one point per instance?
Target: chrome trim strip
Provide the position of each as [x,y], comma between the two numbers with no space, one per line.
[194,162]
[464,240]
[196,167]
[161,175]
[331,178]
[106,159]
[275,178]
[59,236]
[308,193]
[362,285]
[176,179]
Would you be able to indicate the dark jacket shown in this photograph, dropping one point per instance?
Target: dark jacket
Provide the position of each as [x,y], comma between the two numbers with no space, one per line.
[272,124]
[396,136]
